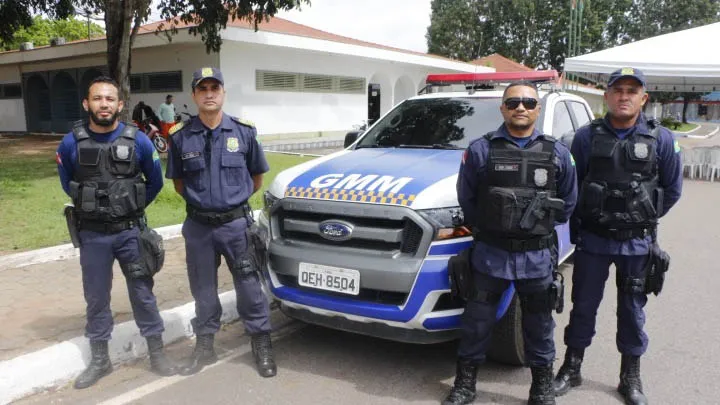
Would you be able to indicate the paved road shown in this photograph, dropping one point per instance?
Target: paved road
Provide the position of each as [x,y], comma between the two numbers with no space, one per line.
[321,366]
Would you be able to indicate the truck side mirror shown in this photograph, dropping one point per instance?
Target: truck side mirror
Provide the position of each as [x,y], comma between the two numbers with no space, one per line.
[350,138]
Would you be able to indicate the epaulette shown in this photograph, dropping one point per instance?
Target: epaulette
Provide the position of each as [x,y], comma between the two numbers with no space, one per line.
[176,127]
[245,122]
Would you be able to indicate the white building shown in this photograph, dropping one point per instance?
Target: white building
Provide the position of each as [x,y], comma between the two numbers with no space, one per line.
[286,77]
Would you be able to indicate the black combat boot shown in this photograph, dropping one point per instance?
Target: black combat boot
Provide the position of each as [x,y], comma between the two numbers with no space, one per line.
[463,391]
[159,363]
[99,366]
[541,389]
[569,374]
[203,355]
[630,385]
[263,353]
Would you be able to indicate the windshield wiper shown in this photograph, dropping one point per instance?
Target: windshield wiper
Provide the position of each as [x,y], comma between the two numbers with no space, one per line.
[373,146]
[433,146]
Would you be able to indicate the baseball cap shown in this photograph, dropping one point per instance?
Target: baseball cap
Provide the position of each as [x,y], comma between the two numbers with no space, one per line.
[627,72]
[207,73]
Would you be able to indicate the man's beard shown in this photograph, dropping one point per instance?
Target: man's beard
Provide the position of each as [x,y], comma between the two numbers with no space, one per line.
[103,122]
[520,127]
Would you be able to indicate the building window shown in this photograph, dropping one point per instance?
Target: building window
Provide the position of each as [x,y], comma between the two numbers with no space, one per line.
[156,82]
[136,83]
[317,83]
[10,91]
[308,83]
[278,81]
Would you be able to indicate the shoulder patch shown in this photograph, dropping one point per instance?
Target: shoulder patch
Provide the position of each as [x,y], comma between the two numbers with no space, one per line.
[245,122]
[176,127]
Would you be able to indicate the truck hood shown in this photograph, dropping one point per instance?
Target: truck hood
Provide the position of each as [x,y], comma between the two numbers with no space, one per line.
[417,178]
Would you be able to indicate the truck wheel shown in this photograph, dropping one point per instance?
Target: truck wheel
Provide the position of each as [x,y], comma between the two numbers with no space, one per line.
[507,345]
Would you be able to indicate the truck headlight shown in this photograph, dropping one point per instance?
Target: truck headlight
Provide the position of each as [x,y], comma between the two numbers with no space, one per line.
[448,222]
[268,201]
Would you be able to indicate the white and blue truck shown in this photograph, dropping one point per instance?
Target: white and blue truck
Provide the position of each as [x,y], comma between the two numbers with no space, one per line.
[359,240]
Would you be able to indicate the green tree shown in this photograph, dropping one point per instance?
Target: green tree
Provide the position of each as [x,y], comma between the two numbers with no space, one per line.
[123,18]
[43,30]
[535,32]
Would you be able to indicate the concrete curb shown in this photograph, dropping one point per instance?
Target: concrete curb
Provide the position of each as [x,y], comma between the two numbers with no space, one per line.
[304,145]
[704,136]
[59,364]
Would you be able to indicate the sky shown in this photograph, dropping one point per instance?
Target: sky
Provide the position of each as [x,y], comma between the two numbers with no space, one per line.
[396,23]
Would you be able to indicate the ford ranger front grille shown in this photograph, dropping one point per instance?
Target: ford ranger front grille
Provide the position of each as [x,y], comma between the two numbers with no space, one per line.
[379,234]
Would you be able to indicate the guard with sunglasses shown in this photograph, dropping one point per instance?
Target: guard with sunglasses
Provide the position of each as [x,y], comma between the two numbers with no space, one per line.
[216,164]
[515,185]
[630,174]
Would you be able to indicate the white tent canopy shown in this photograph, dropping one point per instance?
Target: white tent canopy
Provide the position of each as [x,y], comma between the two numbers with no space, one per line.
[686,60]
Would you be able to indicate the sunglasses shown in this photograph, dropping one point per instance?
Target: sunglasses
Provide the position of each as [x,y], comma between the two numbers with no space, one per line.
[514,102]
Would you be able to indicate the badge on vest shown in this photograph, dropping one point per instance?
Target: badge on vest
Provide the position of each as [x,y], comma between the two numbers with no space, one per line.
[505,167]
[123,152]
[233,145]
[641,150]
[540,177]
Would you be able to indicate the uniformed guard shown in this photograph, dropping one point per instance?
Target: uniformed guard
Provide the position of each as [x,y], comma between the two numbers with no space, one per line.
[515,185]
[101,166]
[630,175]
[217,163]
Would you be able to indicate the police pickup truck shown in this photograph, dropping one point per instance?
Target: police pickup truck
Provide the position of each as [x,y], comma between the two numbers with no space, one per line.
[359,240]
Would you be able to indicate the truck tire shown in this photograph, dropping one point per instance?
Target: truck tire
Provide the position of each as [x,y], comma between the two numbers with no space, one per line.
[507,345]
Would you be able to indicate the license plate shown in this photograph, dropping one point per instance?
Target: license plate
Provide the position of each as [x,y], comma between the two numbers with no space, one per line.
[329,278]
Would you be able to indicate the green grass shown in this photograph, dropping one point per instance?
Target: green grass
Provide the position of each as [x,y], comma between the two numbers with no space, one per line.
[686,127]
[32,200]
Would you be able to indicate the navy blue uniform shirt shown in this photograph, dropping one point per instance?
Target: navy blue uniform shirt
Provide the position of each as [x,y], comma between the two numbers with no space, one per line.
[147,158]
[217,175]
[669,170]
[494,261]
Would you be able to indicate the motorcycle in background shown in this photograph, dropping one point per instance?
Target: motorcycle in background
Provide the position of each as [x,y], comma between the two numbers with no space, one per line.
[148,122]
[145,119]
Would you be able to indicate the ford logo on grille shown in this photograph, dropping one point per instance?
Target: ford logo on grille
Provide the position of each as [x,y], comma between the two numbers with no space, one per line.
[335,230]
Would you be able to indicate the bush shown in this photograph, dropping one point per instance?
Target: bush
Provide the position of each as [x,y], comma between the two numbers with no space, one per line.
[670,122]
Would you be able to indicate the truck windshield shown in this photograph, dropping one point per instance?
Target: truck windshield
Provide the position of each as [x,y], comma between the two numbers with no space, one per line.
[450,123]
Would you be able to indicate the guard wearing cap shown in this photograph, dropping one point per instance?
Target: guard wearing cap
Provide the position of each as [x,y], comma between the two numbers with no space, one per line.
[111,172]
[630,174]
[514,186]
[216,164]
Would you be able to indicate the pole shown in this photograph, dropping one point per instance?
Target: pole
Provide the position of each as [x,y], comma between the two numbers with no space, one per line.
[570,48]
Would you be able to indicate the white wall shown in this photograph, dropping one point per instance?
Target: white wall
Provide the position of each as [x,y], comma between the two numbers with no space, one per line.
[12,112]
[187,58]
[12,116]
[288,112]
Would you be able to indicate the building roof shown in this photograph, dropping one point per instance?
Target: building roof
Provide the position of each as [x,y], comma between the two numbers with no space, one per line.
[274,24]
[501,63]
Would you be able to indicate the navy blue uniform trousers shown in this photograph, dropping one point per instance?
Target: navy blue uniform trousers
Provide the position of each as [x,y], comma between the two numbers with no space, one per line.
[203,246]
[590,273]
[98,251]
[479,318]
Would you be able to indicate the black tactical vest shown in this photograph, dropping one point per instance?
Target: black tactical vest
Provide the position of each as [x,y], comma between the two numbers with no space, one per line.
[513,197]
[107,184]
[620,190]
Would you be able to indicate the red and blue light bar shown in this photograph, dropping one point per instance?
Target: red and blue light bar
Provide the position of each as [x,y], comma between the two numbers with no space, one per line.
[535,76]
